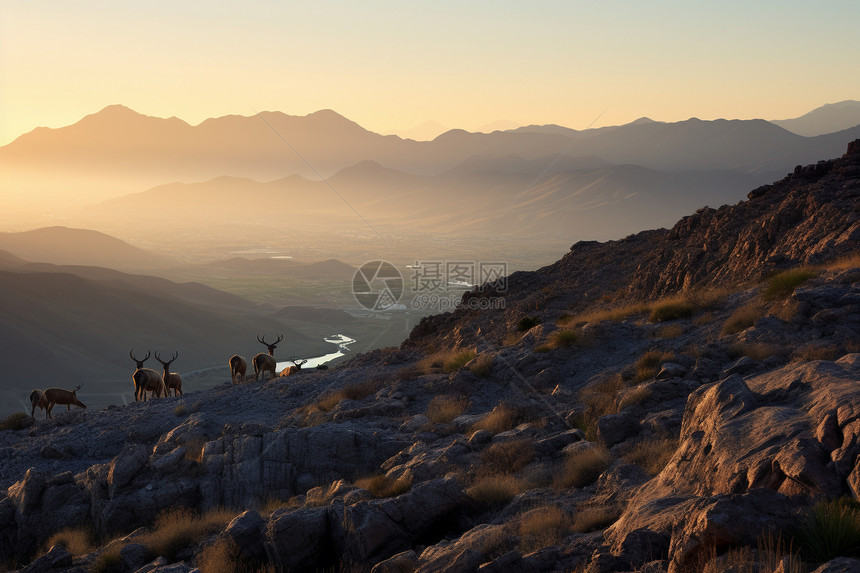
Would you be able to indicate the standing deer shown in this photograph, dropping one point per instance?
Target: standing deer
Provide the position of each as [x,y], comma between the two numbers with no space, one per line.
[238,368]
[294,369]
[59,396]
[38,400]
[266,362]
[172,380]
[146,379]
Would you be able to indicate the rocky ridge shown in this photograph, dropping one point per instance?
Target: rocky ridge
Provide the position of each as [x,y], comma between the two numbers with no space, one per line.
[600,442]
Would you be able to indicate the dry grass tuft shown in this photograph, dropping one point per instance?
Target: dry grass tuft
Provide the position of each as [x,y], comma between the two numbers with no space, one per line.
[648,365]
[617,314]
[759,351]
[582,468]
[76,540]
[634,397]
[594,518]
[443,409]
[599,399]
[179,528]
[671,309]
[17,421]
[501,419]
[382,486]
[494,491]
[180,410]
[818,352]
[542,527]
[456,359]
[506,457]
[354,391]
[703,319]
[742,318]
[670,331]
[563,338]
[783,284]
[482,365]
[109,561]
[848,262]
[526,323]
[651,454]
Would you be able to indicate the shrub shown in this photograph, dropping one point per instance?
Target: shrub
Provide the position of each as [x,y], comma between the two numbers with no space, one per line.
[180,410]
[820,352]
[353,391]
[527,323]
[109,561]
[563,338]
[501,419]
[176,529]
[76,540]
[383,486]
[847,262]
[494,491]
[482,365]
[671,309]
[599,399]
[648,365]
[223,556]
[613,314]
[506,457]
[651,454]
[594,518]
[582,468]
[410,372]
[742,318]
[783,284]
[542,527]
[17,421]
[457,359]
[831,530]
[443,409]
[703,319]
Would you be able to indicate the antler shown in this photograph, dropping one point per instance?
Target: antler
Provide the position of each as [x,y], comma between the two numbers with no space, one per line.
[131,355]
[263,340]
[78,388]
[167,362]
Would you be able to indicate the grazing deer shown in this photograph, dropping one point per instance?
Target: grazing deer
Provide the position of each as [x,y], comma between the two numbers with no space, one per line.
[266,362]
[38,400]
[238,368]
[294,369]
[146,379]
[172,380]
[61,396]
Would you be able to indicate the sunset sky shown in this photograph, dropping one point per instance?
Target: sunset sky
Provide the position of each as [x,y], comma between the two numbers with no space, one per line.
[391,66]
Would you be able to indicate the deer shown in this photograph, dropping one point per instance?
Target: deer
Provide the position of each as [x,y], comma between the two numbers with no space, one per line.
[266,362]
[294,369]
[172,380]
[60,396]
[38,400]
[238,368]
[146,379]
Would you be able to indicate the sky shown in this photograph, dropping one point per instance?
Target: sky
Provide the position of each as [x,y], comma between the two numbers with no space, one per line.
[392,66]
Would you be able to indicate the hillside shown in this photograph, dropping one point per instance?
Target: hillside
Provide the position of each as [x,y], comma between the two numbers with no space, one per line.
[614,416]
[65,246]
[828,118]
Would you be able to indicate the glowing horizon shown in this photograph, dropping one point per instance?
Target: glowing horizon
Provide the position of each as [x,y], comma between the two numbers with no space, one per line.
[393,67]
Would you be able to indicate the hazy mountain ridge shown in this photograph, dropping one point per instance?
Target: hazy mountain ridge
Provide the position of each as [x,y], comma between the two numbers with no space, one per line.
[828,118]
[728,430]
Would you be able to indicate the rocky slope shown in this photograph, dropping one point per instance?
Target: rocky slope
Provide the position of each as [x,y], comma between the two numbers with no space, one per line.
[665,436]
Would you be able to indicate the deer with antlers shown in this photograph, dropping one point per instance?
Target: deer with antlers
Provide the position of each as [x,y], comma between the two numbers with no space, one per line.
[294,369]
[238,368]
[146,379]
[172,380]
[266,362]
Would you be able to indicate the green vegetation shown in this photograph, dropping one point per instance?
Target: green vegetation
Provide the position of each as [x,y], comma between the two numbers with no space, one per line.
[783,284]
[527,323]
[831,530]
[563,338]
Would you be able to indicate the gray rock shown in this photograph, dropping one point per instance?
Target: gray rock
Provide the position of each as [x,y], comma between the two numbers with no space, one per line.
[56,558]
[133,556]
[744,365]
[615,428]
[404,561]
[297,539]
[671,370]
[840,565]
[248,532]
